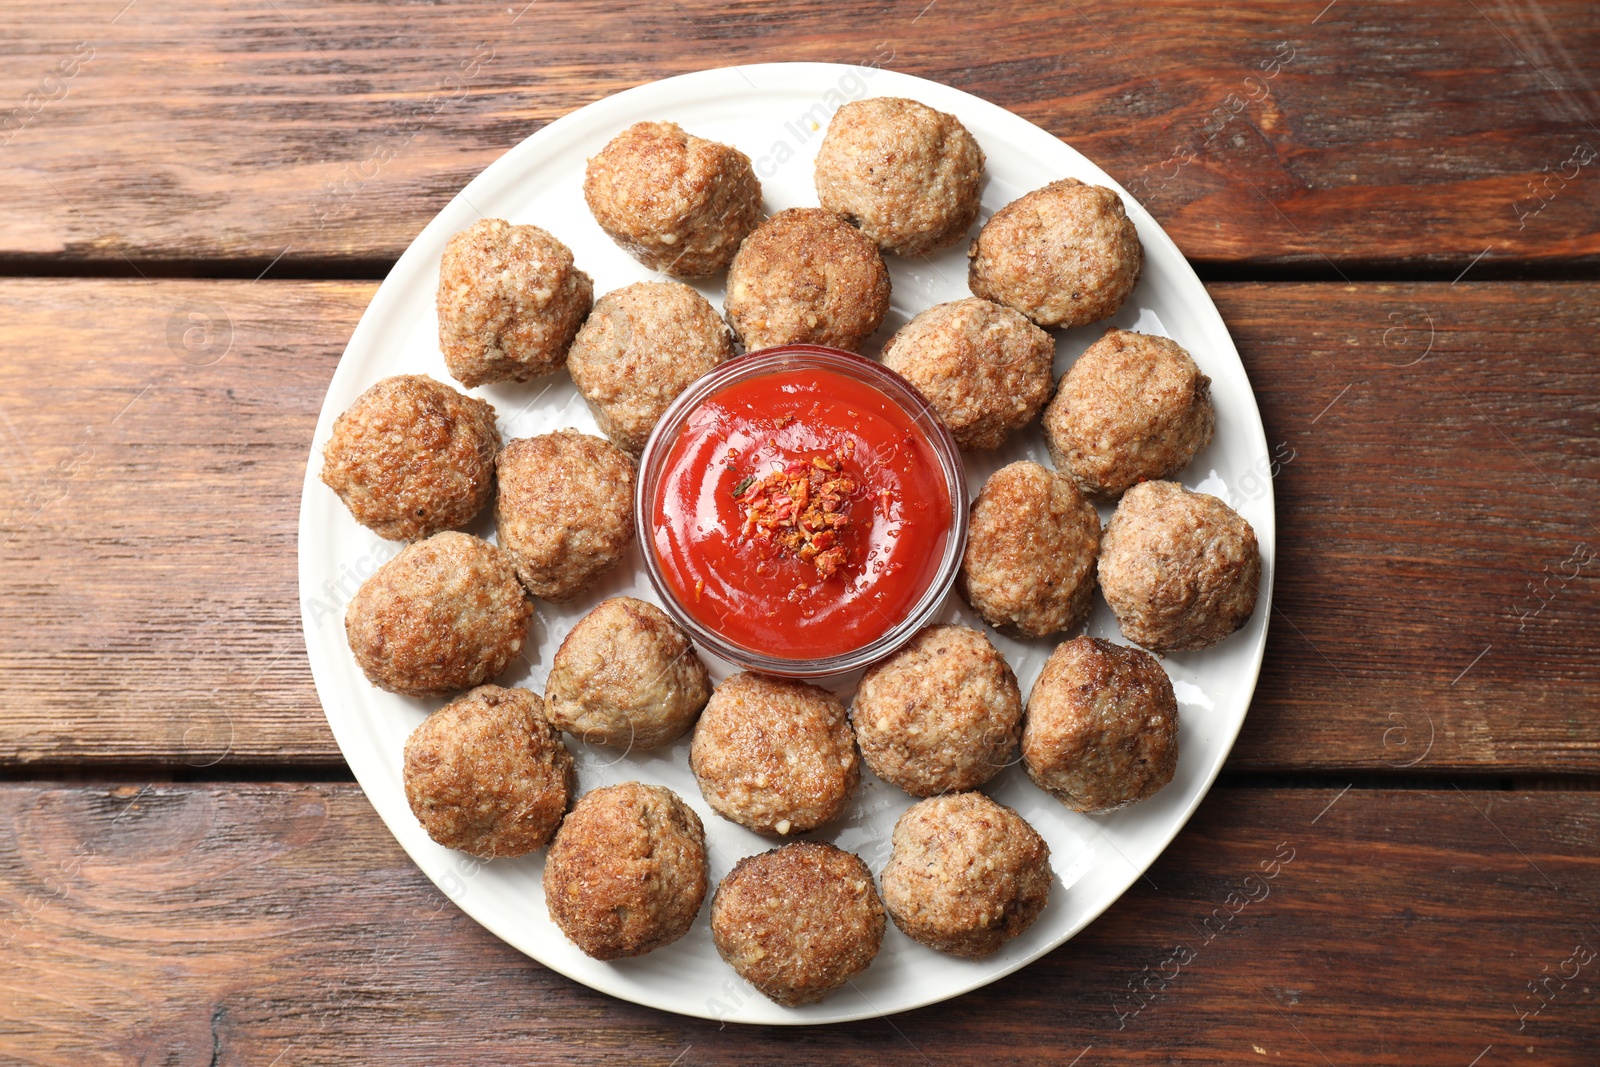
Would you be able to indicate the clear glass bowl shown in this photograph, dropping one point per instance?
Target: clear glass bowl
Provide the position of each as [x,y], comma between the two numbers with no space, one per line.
[792,358]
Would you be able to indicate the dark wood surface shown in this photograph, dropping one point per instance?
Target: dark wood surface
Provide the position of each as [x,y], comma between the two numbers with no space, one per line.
[239,923]
[187,874]
[1387,133]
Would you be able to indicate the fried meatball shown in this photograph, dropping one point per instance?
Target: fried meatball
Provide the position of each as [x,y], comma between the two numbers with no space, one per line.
[1133,408]
[1064,255]
[941,715]
[966,874]
[1102,726]
[626,675]
[776,756]
[564,510]
[510,301]
[1179,569]
[487,775]
[1031,547]
[673,201]
[983,367]
[640,348]
[806,276]
[445,614]
[906,174]
[798,922]
[627,871]
[412,456]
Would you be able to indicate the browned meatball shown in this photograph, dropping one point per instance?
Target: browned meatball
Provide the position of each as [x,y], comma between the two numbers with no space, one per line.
[627,871]
[626,675]
[1031,548]
[564,510]
[774,755]
[1064,255]
[1179,569]
[942,714]
[806,276]
[908,175]
[983,367]
[412,456]
[1133,408]
[510,301]
[798,922]
[641,347]
[487,775]
[966,875]
[445,614]
[1102,726]
[674,201]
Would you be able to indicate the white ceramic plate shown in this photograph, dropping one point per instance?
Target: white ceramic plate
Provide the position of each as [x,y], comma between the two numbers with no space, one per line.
[775,113]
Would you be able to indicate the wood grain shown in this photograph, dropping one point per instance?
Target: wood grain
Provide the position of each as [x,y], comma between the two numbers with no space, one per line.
[259,924]
[1418,134]
[1431,613]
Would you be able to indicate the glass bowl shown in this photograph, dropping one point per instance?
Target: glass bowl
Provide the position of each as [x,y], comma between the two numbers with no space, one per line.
[788,358]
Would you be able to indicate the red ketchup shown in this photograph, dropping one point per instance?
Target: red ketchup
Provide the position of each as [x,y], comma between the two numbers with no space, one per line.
[800,514]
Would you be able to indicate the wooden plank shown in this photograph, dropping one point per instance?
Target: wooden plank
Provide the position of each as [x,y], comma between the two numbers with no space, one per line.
[1386,134]
[260,924]
[1436,604]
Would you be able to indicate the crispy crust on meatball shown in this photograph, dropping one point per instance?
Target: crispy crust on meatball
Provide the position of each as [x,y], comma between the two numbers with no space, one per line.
[627,871]
[510,301]
[908,175]
[1133,408]
[1179,569]
[639,349]
[564,510]
[798,922]
[487,775]
[1031,547]
[1065,255]
[806,276]
[984,368]
[445,614]
[412,456]
[673,201]
[1102,726]
[966,874]
[626,675]
[774,755]
[943,714]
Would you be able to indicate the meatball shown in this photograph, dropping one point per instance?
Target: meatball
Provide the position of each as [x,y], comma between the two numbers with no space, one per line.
[445,614]
[774,755]
[1102,726]
[1064,255]
[510,301]
[1179,569]
[640,348]
[1031,547]
[564,510]
[966,874]
[906,174]
[806,276]
[627,871]
[626,675]
[1133,408]
[487,775]
[983,367]
[412,456]
[798,922]
[673,201]
[941,715]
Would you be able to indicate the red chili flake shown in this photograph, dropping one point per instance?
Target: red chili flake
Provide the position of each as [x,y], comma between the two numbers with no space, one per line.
[801,509]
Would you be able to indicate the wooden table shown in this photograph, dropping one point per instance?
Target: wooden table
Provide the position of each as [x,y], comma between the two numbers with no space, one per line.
[1397,208]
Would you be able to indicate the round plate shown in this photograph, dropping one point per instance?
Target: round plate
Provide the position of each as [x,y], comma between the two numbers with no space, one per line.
[776,114]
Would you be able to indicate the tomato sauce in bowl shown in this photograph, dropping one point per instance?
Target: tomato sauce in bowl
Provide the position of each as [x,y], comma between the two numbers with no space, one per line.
[801,511]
